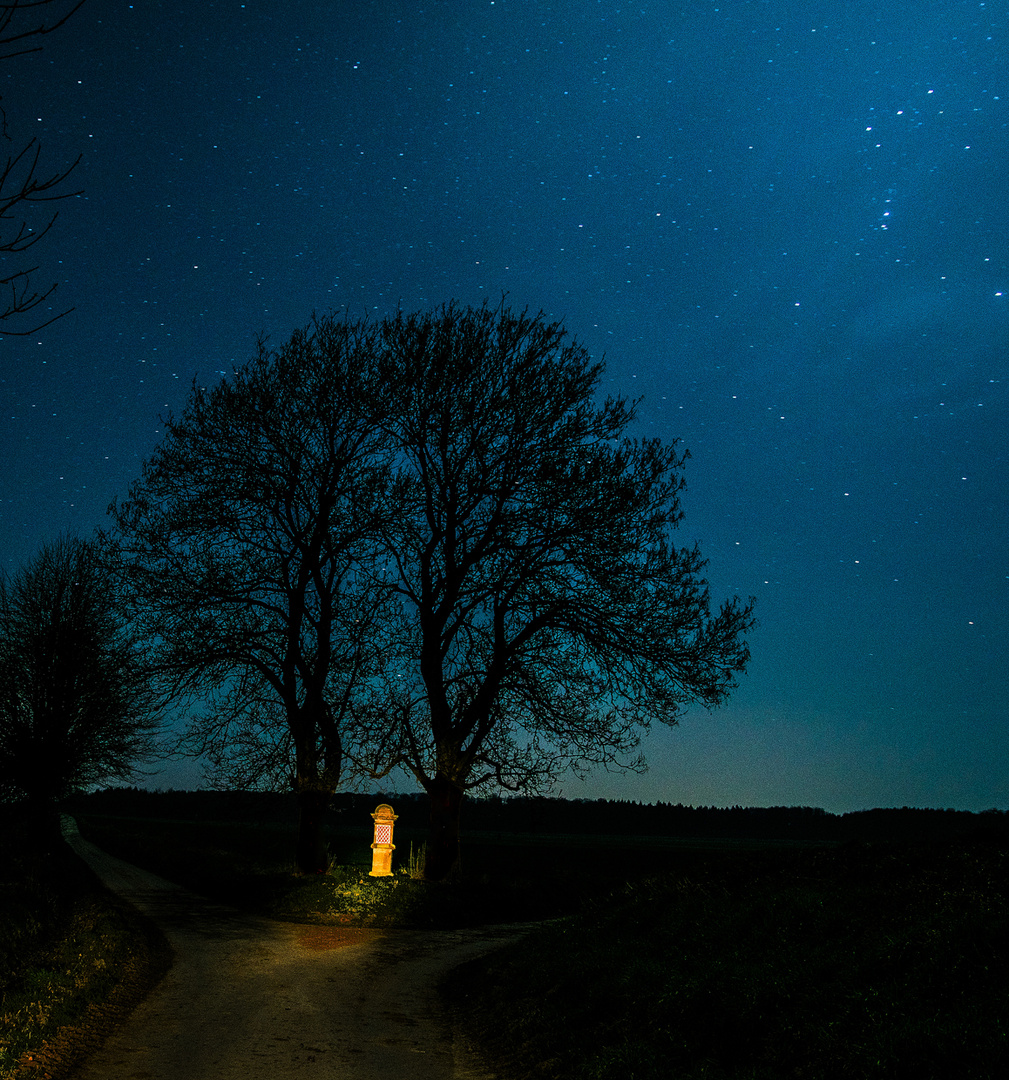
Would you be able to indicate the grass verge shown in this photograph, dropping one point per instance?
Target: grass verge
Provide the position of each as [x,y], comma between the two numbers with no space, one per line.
[862,961]
[73,961]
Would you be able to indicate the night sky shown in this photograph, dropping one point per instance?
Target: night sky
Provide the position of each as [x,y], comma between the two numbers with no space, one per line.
[783,224]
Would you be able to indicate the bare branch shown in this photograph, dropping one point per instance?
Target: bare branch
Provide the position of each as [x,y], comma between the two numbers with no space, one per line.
[8,12]
[20,183]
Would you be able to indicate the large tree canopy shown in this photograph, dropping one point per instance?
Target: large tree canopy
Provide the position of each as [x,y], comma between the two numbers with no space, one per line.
[248,536]
[544,618]
[76,704]
[421,543]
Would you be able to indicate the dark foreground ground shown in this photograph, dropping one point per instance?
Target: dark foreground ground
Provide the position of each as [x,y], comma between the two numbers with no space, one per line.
[880,960]
[665,957]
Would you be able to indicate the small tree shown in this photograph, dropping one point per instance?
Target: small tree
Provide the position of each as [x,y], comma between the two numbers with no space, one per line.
[248,543]
[22,186]
[544,619]
[76,706]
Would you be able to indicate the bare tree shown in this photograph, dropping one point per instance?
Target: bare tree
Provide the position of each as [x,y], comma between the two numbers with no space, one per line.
[544,619]
[76,705]
[248,541]
[421,543]
[22,183]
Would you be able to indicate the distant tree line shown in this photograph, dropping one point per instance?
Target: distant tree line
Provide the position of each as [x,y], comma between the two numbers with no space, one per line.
[546,816]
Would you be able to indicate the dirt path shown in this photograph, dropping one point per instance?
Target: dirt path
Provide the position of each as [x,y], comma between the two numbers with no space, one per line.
[255,999]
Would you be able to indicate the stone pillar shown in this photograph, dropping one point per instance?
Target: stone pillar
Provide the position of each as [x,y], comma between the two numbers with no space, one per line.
[382,847]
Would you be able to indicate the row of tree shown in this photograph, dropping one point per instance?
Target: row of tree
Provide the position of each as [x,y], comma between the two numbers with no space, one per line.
[550,816]
[420,544]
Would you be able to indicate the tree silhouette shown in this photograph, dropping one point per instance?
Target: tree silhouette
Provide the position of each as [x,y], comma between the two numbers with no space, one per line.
[22,185]
[543,618]
[247,538]
[76,706]
[420,543]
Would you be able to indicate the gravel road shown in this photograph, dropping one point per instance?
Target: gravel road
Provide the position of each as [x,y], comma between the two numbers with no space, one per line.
[256,999]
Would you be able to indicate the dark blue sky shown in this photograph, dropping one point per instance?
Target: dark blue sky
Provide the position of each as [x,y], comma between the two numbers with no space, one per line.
[784,223]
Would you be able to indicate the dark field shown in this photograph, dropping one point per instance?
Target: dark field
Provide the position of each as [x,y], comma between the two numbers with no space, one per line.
[860,961]
[664,957]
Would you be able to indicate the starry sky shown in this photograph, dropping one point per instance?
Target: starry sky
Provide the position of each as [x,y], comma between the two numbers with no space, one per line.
[783,223]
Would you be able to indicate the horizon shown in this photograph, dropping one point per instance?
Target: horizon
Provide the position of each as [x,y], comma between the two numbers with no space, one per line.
[420,794]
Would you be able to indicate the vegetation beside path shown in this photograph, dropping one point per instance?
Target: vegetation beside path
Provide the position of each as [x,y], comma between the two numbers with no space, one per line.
[73,960]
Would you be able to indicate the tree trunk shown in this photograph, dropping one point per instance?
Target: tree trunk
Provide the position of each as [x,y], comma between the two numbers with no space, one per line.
[443,842]
[312,854]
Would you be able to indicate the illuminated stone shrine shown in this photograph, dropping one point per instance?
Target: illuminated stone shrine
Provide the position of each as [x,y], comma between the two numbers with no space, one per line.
[382,847]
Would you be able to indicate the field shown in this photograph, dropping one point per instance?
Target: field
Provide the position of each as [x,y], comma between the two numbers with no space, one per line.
[883,961]
[660,957]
